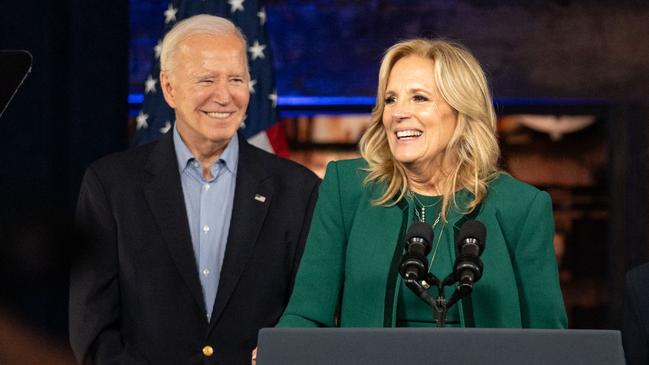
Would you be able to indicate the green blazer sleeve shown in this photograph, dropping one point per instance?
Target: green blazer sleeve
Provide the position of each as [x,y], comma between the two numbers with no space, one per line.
[520,284]
[535,267]
[320,275]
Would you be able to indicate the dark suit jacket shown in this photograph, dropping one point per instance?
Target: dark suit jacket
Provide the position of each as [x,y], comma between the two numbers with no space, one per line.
[635,332]
[135,294]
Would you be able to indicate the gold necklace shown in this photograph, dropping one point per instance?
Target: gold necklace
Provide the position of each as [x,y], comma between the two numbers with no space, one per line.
[422,218]
[441,233]
[432,259]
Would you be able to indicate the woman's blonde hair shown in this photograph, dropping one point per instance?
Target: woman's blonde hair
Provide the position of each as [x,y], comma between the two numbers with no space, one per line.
[473,147]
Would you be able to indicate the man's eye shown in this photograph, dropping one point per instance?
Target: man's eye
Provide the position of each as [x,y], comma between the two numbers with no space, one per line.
[237,81]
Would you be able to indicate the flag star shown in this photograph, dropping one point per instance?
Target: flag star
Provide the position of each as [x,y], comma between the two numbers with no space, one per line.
[170,14]
[273,98]
[140,121]
[157,49]
[149,85]
[166,127]
[257,50]
[262,16]
[235,5]
[251,86]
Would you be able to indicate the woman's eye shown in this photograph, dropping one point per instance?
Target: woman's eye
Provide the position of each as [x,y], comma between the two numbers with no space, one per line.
[419,98]
[390,100]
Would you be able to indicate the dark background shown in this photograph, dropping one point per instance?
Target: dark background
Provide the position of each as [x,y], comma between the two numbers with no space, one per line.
[71,110]
[88,56]
[530,49]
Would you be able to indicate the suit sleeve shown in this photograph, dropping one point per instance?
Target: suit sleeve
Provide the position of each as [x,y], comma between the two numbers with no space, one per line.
[634,335]
[320,275]
[94,286]
[535,267]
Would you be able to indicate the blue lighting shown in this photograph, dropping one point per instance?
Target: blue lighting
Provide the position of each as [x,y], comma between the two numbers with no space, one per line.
[325,100]
[296,106]
[328,101]
[297,101]
[135,99]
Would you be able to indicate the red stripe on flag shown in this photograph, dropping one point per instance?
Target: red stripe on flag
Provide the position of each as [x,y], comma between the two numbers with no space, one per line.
[277,138]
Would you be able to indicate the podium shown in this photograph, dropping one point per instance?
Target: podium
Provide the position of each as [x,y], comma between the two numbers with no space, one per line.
[448,346]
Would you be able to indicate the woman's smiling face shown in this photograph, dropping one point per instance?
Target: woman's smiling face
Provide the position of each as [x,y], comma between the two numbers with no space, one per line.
[418,122]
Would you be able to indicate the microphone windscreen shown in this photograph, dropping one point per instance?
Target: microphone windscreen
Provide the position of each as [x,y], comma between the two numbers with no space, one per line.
[422,230]
[473,229]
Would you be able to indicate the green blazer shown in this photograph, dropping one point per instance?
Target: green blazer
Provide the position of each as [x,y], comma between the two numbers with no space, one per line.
[349,266]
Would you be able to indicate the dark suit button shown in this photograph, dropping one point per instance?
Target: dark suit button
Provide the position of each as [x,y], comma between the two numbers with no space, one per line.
[208,351]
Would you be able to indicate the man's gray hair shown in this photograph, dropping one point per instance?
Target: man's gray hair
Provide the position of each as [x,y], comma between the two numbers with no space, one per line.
[197,24]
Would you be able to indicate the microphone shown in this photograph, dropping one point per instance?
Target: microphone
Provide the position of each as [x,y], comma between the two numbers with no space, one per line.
[468,266]
[414,264]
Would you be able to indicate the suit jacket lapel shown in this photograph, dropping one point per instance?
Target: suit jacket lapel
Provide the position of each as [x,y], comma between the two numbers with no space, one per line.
[252,183]
[163,193]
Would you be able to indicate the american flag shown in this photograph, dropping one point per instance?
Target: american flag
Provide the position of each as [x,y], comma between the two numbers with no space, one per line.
[260,126]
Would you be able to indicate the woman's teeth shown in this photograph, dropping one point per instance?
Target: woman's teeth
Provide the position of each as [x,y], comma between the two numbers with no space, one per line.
[409,133]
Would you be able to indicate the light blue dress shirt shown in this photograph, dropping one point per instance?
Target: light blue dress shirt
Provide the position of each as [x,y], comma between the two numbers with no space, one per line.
[209,210]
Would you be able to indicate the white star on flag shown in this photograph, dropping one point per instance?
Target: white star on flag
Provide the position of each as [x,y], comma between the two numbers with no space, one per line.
[170,14]
[262,16]
[236,5]
[157,49]
[149,84]
[140,121]
[257,50]
[251,86]
[273,98]
[166,127]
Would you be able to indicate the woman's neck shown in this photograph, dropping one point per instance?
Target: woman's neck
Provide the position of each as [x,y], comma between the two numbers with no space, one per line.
[430,187]
[428,180]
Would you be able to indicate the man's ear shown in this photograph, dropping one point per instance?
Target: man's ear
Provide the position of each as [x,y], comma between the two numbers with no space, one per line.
[167,89]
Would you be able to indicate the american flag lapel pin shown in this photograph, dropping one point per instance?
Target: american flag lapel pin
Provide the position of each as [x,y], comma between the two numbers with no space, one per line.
[260,198]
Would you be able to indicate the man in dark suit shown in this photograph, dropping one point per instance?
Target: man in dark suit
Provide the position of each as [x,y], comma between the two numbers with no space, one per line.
[193,241]
[635,332]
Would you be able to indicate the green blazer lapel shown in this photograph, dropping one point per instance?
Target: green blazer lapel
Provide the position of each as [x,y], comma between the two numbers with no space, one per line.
[381,245]
[394,279]
[456,219]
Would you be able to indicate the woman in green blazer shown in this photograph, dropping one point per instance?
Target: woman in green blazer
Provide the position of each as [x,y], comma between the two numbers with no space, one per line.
[430,154]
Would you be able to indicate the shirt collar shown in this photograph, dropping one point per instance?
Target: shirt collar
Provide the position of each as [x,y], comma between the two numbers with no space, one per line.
[229,157]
